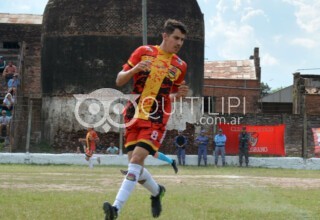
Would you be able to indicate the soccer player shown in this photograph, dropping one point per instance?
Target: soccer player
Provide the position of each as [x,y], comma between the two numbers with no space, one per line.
[90,146]
[158,76]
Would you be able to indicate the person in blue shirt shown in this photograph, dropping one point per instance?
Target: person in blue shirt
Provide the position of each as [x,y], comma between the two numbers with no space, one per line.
[13,84]
[202,142]
[220,143]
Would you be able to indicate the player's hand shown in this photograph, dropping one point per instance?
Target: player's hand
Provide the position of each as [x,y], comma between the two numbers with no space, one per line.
[182,90]
[143,66]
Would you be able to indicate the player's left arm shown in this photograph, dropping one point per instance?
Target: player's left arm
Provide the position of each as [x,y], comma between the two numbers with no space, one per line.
[182,91]
[180,88]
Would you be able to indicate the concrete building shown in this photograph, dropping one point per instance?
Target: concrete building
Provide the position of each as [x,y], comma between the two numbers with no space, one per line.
[77,50]
[301,97]
[306,94]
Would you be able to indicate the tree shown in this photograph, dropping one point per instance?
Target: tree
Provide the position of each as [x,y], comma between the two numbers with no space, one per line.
[265,89]
[276,89]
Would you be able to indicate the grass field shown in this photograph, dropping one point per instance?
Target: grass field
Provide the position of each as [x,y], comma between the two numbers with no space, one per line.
[33,192]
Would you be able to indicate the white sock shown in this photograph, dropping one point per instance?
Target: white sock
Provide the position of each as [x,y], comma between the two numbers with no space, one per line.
[128,185]
[150,184]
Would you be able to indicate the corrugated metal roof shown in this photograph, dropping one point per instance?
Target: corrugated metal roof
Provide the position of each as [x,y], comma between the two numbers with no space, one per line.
[6,18]
[282,96]
[231,69]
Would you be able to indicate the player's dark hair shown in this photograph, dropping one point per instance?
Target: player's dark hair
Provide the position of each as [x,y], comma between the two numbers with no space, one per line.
[171,24]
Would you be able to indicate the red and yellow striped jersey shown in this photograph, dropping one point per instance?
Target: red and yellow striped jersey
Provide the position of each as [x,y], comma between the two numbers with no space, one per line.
[154,86]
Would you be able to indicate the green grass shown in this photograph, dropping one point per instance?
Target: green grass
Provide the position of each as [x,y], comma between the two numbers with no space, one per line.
[75,192]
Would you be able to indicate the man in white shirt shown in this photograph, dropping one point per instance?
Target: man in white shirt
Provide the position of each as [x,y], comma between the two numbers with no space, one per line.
[8,102]
[112,149]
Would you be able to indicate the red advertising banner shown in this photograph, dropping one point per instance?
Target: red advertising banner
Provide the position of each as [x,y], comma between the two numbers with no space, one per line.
[316,138]
[268,140]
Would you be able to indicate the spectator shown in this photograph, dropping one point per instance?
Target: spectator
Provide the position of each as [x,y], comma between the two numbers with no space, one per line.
[8,102]
[90,146]
[101,149]
[9,71]
[13,84]
[180,142]
[4,123]
[112,149]
[220,142]
[244,146]
[202,142]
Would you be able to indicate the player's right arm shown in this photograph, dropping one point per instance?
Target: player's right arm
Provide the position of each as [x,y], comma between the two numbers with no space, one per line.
[124,76]
[133,66]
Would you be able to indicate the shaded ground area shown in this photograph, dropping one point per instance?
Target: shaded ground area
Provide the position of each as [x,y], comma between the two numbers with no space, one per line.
[82,182]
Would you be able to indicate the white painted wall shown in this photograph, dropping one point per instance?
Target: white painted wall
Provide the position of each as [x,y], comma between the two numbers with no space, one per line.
[68,114]
[78,159]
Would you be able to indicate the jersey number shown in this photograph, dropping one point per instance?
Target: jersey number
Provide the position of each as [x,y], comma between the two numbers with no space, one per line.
[154,135]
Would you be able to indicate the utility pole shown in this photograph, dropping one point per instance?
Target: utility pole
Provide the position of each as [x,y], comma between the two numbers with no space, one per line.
[144,23]
[30,103]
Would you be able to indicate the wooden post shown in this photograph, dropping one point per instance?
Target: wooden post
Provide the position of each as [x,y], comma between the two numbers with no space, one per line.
[305,134]
[121,131]
[30,103]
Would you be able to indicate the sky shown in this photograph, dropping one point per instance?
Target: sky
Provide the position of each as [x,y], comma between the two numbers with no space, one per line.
[287,33]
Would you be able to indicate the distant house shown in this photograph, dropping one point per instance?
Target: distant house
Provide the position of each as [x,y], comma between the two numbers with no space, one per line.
[302,96]
[306,94]
[278,102]
[233,86]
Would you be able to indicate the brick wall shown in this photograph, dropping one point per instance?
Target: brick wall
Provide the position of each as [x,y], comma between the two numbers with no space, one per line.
[20,32]
[97,39]
[246,93]
[29,37]
[306,95]
[67,141]
[313,104]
